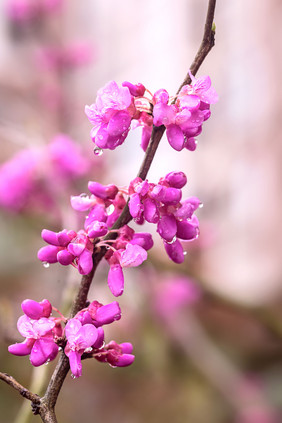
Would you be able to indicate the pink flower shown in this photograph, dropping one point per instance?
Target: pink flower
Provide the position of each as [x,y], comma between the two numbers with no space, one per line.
[111,115]
[39,341]
[183,120]
[117,355]
[80,338]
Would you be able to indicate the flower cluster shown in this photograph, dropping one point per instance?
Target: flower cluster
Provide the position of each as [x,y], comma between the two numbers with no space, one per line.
[183,115]
[161,204]
[82,334]
[104,206]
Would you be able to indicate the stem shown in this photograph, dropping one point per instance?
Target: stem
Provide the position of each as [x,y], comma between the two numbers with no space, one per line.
[20,388]
[47,404]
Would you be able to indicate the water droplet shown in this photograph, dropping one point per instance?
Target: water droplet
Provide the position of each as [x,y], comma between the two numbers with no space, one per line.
[47,362]
[83,195]
[107,247]
[98,151]
[201,205]
[172,241]
[60,348]
[88,349]
[110,209]
[73,376]
[184,253]
[46,264]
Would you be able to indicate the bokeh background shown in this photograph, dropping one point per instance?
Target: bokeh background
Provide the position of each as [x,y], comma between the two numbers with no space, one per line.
[207,334]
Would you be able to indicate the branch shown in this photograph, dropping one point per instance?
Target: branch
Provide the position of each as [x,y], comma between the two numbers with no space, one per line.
[34,398]
[48,402]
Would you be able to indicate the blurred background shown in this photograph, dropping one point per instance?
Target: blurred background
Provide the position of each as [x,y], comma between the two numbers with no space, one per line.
[207,334]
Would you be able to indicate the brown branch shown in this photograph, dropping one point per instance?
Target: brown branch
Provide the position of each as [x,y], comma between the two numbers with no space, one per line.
[34,398]
[48,402]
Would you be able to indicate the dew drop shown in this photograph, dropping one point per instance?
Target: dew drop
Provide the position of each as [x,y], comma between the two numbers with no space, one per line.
[83,195]
[60,348]
[201,205]
[185,253]
[46,264]
[98,151]
[47,362]
[73,376]
[88,349]
[110,209]
[172,241]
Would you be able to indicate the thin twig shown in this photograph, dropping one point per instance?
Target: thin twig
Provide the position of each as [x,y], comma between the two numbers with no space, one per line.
[20,388]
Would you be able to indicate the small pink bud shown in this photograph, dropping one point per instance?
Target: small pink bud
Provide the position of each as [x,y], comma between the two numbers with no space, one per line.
[65,257]
[48,254]
[116,280]
[137,90]
[167,227]
[103,191]
[175,251]
[176,179]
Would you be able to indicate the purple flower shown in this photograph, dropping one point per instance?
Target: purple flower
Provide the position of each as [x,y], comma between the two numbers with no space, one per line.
[39,341]
[183,120]
[116,355]
[111,115]
[80,338]
[161,204]
[68,247]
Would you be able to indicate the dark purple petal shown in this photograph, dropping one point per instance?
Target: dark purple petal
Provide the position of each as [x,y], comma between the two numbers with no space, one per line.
[190,144]
[126,347]
[101,137]
[32,309]
[124,360]
[42,351]
[76,248]
[100,338]
[108,313]
[188,229]
[175,251]
[135,205]
[143,239]
[176,179]
[136,90]
[85,262]
[50,237]
[116,280]
[119,123]
[167,227]
[172,196]
[97,229]
[103,191]
[175,137]
[187,208]
[48,254]
[63,238]
[145,137]
[23,348]
[75,363]
[151,213]
[65,257]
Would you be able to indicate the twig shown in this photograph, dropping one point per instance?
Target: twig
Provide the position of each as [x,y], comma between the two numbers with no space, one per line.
[48,402]
[20,388]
